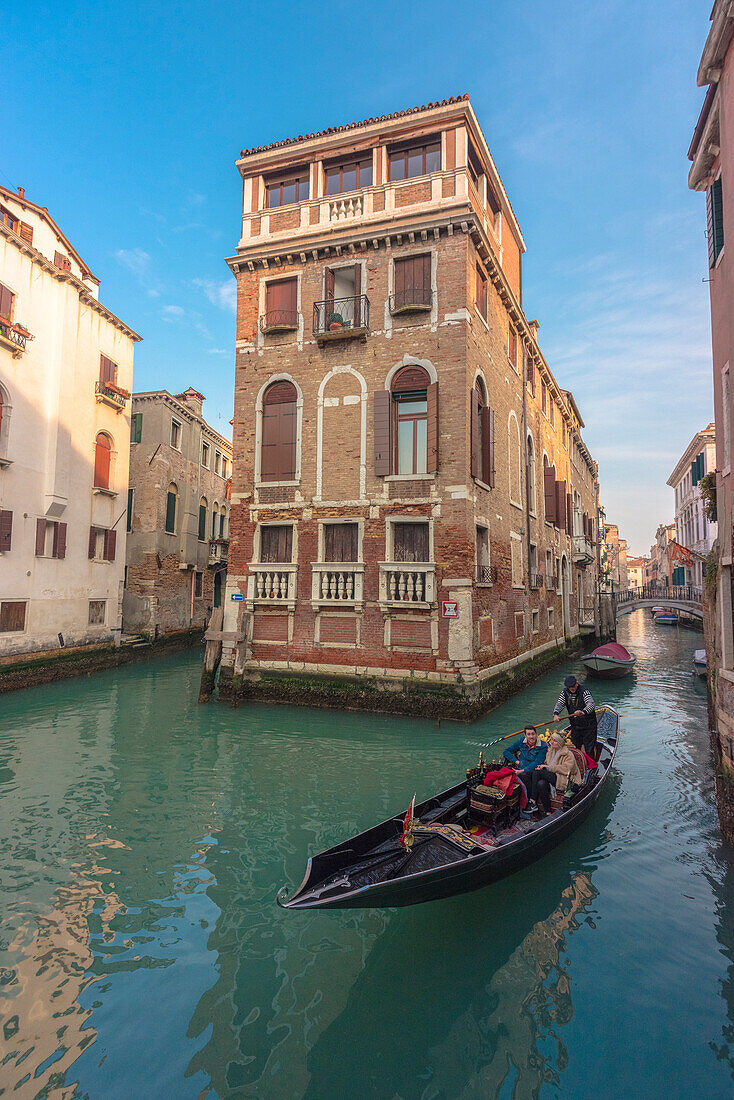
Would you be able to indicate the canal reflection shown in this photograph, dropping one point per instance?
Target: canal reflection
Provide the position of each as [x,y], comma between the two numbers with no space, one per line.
[142,953]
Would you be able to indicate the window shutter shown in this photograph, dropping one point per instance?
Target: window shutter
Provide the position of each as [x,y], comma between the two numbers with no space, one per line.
[432,427]
[531,374]
[402,278]
[549,493]
[102,456]
[60,541]
[6,302]
[26,232]
[92,541]
[171,513]
[569,511]
[329,292]
[476,414]
[6,529]
[110,543]
[40,537]
[136,427]
[382,405]
[489,421]
[715,220]
[560,506]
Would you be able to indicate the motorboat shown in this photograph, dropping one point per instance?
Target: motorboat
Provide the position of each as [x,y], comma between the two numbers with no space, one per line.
[666,618]
[444,846]
[610,661]
[699,662]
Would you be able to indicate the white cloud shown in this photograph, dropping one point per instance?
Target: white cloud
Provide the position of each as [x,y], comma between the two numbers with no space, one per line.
[138,262]
[217,351]
[173,313]
[222,294]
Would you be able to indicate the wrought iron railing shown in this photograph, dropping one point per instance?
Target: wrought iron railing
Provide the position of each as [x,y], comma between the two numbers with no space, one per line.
[536,580]
[552,581]
[279,320]
[657,590]
[586,616]
[414,297]
[112,394]
[16,334]
[218,551]
[341,316]
[486,574]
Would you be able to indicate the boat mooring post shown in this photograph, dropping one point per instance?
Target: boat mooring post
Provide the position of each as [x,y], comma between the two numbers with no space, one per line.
[212,654]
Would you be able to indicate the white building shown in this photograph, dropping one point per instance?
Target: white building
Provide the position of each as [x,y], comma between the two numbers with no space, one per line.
[694,531]
[66,365]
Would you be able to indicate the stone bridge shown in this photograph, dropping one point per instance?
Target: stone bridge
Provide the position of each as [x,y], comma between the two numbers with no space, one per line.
[678,597]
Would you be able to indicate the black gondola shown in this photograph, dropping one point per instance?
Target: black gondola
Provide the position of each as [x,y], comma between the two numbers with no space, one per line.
[374,870]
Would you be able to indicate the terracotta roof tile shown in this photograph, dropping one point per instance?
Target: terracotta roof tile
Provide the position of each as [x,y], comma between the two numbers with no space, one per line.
[354,125]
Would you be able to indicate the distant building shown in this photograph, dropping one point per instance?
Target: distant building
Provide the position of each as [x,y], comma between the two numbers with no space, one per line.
[660,570]
[614,559]
[712,170]
[694,531]
[178,514]
[66,368]
[636,572]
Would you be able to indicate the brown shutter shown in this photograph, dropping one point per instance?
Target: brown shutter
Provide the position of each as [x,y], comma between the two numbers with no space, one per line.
[561,505]
[276,544]
[531,374]
[6,529]
[255,196]
[60,541]
[491,447]
[450,149]
[340,542]
[476,413]
[328,293]
[382,405]
[432,455]
[110,542]
[40,537]
[12,615]
[401,280]
[410,542]
[549,493]
[26,232]
[92,541]
[569,512]
[6,302]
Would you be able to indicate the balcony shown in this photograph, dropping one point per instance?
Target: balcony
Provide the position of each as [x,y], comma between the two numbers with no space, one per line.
[341,318]
[415,299]
[583,551]
[279,320]
[274,585]
[536,580]
[110,394]
[486,574]
[586,619]
[334,583]
[552,582]
[218,551]
[14,337]
[348,206]
[407,584]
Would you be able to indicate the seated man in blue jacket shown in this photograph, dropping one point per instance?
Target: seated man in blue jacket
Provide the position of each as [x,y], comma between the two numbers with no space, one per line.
[525,755]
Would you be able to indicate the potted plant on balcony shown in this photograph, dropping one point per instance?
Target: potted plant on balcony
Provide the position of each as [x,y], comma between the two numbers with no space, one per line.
[336,321]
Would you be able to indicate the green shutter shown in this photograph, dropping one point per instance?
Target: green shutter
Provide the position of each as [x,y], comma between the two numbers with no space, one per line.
[202,522]
[171,513]
[715,220]
[136,427]
[129,509]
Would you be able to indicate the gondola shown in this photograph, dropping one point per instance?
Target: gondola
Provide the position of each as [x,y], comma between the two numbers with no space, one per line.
[610,660]
[375,869]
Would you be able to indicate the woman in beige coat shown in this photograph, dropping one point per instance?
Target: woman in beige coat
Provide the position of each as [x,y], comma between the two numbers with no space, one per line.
[560,765]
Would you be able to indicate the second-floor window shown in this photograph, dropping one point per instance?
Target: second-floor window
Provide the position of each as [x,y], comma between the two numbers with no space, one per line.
[107,370]
[415,160]
[341,542]
[284,191]
[6,302]
[410,542]
[205,455]
[348,177]
[171,499]
[281,304]
[412,282]
[278,449]
[102,460]
[176,434]
[276,544]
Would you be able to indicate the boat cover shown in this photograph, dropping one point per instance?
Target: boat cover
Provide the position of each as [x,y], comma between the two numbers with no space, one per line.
[614,650]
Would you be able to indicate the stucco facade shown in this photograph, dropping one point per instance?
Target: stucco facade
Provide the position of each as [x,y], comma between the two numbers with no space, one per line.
[66,365]
[178,520]
[694,530]
[398,300]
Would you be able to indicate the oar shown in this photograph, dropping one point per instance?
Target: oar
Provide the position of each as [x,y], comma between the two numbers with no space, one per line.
[518,733]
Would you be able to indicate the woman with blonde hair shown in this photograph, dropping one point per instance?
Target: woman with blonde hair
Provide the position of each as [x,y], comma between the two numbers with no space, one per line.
[560,766]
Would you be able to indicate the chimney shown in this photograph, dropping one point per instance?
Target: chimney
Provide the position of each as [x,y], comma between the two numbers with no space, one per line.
[192,399]
[21,192]
[534,326]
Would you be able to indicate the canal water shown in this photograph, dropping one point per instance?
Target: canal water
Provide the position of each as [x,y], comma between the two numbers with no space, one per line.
[143,838]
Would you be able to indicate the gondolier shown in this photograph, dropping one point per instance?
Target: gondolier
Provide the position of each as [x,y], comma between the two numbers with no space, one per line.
[582,714]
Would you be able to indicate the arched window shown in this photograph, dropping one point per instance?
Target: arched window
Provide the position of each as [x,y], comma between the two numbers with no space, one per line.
[278,447]
[102,460]
[549,492]
[532,488]
[202,519]
[171,500]
[215,512]
[482,435]
[410,419]
[222,519]
[515,460]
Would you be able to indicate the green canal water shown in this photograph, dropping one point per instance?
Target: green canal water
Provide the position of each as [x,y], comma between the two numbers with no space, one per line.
[143,838]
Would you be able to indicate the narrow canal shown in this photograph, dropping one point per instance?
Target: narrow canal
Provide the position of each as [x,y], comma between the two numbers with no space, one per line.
[142,955]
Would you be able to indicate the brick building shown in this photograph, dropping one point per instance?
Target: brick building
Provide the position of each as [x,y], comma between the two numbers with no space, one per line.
[413,504]
[178,514]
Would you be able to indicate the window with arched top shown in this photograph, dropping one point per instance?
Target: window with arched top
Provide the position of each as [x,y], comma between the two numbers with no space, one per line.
[550,496]
[102,460]
[532,487]
[515,460]
[202,519]
[222,524]
[279,424]
[482,435]
[171,501]
[410,412]
[215,513]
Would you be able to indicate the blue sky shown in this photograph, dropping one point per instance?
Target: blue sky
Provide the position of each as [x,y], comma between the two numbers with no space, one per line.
[125,120]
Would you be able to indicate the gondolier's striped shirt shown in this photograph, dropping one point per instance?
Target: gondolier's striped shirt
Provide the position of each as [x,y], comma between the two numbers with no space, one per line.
[589,705]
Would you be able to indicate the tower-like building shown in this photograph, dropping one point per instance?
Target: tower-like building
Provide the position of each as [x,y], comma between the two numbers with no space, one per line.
[413,506]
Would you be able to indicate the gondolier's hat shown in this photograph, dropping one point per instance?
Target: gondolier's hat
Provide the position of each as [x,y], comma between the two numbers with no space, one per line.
[569,681]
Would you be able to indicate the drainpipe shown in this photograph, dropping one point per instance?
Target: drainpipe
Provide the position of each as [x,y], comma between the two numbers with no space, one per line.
[525,453]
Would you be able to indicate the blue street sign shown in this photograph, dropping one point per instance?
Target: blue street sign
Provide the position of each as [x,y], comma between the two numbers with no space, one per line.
[237,596]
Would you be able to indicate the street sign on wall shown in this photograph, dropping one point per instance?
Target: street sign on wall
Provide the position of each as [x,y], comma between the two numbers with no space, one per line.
[449,609]
[236,596]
